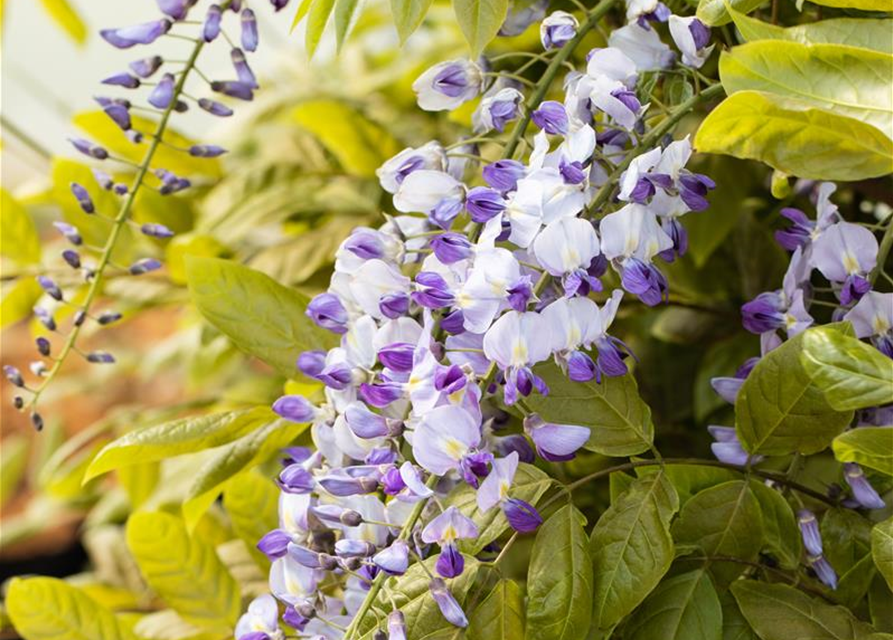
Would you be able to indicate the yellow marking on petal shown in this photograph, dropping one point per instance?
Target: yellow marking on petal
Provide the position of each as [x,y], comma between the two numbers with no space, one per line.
[449,534]
[503,490]
[850,263]
[457,396]
[519,352]
[454,448]
[880,325]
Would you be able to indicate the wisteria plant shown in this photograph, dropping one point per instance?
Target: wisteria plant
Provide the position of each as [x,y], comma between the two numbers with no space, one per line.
[461,448]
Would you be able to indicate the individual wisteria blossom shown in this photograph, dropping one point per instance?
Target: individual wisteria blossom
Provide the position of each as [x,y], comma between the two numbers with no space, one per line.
[872,317]
[261,621]
[558,29]
[692,37]
[494,491]
[445,530]
[447,85]
[728,448]
[516,342]
[497,109]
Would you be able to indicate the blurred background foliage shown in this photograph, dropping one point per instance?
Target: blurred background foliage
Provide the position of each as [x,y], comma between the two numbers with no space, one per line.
[299,177]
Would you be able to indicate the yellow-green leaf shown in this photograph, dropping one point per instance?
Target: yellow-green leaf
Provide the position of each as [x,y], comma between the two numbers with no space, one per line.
[844,80]
[865,33]
[359,145]
[18,301]
[480,21]
[18,237]
[871,447]
[50,609]
[66,17]
[345,15]
[13,462]
[863,5]
[258,314]
[317,18]
[184,571]
[713,12]
[408,15]
[242,455]
[252,502]
[303,8]
[851,373]
[105,132]
[174,438]
[795,138]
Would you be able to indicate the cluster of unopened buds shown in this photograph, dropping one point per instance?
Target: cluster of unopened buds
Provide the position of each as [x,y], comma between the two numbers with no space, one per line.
[846,255]
[166,81]
[445,310]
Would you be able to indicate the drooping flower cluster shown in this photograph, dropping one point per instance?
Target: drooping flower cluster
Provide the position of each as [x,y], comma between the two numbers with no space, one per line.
[167,80]
[845,254]
[446,311]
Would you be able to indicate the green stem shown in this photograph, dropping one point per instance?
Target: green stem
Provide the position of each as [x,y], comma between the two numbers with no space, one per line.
[379,581]
[118,224]
[769,475]
[883,251]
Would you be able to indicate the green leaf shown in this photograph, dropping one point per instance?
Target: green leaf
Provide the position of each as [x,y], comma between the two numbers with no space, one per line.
[779,612]
[20,240]
[252,502]
[863,5]
[500,616]
[852,374]
[781,534]
[632,548]
[713,12]
[618,417]
[867,34]
[780,409]
[66,17]
[317,18]
[871,447]
[691,479]
[734,624]
[345,12]
[882,549]
[47,608]
[559,579]
[480,21]
[684,607]
[259,315]
[529,485]
[408,15]
[846,539]
[411,594]
[18,302]
[724,520]
[795,138]
[233,458]
[185,435]
[184,571]
[845,80]
[359,145]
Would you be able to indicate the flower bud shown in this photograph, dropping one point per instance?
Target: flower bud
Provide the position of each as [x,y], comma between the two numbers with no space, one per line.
[69,232]
[163,93]
[89,149]
[243,71]
[558,29]
[13,375]
[155,230]
[215,108]
[123,79]
[206,151]
[551,117]
[233,89]
[37,421]
[146,67]
[83,198]
[145,265]
[108,317]
[50,287]
[249,30]
[45,318]
[100,357]
[146,33]
[43,346]
[211,27]
[274,544]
